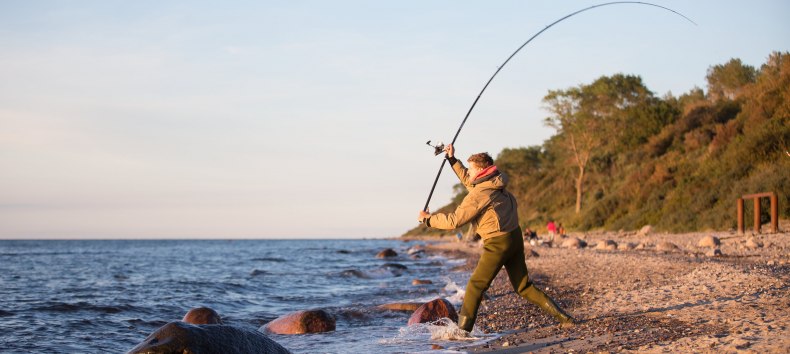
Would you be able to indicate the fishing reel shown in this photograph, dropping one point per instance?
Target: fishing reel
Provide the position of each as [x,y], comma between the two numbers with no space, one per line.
[437,149]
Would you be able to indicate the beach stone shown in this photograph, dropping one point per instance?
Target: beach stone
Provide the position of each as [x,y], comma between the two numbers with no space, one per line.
[300,322]
[666,246]
[714,253]
[608,245]
[402,306]
[644,231]
[433,311]
[202,315]
[626,246]
[386,253]
[573,242]
[709,241]
[421,282]
[180,337]
[751,243]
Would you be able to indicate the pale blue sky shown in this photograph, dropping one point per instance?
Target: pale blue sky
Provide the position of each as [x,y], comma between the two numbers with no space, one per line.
[304,118]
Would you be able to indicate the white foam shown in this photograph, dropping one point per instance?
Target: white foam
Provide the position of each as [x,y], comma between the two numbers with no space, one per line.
[455,293]
[443,329]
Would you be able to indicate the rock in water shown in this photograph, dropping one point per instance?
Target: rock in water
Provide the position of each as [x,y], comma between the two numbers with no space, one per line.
[432,311]
[389,252]
[709,241]
[300,322]
[180,337]
[401,306]
[202,315]
[421,282]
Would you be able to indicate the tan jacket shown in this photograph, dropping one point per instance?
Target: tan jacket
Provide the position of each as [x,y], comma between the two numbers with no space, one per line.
[492,210]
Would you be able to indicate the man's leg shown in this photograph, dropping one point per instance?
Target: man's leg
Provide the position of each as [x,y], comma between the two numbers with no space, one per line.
[487,268]
[519,277]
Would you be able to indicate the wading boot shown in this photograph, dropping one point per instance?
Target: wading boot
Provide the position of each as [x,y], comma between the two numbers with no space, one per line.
[538,297]
[466,323]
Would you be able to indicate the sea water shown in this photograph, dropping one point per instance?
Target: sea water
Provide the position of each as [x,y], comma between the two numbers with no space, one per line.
[99,296]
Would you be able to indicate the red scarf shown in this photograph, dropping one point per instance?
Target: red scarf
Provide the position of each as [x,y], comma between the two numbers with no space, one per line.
[485,172]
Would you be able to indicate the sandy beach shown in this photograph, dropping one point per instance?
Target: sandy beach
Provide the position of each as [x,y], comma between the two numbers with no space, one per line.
[643,294]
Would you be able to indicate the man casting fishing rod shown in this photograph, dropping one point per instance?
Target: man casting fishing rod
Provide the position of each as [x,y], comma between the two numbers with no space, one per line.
[493,212]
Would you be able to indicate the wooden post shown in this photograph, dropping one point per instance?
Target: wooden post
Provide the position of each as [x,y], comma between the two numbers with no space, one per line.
[774,213]
[740,215]
[757,215]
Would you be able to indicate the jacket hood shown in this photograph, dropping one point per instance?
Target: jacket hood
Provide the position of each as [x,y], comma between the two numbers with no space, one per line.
[497,180]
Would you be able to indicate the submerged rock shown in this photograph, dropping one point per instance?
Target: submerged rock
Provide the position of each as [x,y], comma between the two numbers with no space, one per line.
[402,306]
[389,252]
[421,282]
[180,337]
[300,322]
[202,315]
[433,311]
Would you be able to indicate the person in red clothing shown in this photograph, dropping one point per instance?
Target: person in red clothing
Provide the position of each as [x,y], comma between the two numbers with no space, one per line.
[552,228]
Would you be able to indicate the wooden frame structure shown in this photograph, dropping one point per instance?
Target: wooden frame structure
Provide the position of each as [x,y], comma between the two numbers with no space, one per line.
[757,197]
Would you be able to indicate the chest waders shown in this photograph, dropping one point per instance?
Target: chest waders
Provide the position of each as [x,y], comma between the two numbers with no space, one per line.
[507,251]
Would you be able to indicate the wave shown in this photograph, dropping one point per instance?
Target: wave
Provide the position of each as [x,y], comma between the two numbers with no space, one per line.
[83,306]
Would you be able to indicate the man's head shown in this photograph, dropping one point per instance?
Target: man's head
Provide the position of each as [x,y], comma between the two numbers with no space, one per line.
[479,162]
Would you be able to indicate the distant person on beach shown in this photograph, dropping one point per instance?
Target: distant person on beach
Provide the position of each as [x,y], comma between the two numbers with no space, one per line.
[494,213]
[530,235]
[552,229]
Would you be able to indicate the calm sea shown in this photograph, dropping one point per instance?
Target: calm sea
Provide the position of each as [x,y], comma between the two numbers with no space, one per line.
[107,296]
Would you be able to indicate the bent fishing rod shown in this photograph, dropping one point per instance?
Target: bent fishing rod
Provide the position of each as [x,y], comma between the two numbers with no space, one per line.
[439,147]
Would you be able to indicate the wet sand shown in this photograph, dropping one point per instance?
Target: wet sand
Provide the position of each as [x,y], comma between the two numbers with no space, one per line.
[645,299]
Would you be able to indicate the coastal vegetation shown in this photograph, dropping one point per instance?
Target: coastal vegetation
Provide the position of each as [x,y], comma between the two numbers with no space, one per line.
[623,157]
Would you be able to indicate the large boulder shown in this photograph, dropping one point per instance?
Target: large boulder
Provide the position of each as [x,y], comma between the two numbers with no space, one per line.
[709,241]
[300,322]
[180,337]
[433,311]
[389,252]
[202,315]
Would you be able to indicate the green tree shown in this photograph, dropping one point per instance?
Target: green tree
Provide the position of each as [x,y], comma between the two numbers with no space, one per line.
[727,81]
[600,118]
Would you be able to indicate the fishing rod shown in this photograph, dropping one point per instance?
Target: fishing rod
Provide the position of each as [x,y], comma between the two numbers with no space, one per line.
[440,147]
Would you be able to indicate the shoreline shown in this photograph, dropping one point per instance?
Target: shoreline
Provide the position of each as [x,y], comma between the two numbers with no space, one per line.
[643,294]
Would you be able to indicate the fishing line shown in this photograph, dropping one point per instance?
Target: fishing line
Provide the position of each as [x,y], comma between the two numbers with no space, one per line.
[438,148]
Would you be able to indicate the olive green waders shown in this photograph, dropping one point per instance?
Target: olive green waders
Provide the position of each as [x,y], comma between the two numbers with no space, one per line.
[505,251]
